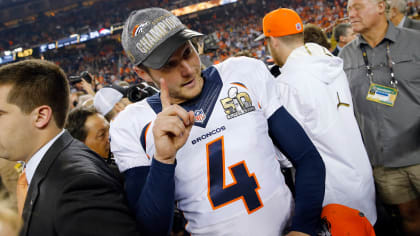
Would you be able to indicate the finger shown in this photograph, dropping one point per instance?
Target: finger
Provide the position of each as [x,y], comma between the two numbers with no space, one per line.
[169,125]
[182,139]
[176,110]
[164,94]
[191,117]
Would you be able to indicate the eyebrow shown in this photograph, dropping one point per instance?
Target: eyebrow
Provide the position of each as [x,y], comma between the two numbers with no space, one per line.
[186,45]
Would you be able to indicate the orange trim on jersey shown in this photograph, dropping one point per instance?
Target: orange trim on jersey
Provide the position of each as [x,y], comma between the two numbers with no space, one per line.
[239,84]
[145,137]
[233,177]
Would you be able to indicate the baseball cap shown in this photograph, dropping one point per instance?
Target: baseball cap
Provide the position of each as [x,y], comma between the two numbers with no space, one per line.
[105,99]
[150,36]
[281,22]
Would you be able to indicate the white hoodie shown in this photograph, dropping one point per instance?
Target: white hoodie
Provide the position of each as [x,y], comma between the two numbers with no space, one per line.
[315,90]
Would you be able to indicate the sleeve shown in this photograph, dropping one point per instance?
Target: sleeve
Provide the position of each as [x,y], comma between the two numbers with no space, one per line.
[149,184]
[264,87]
[93,205]
[125,132]
[302,101]
[293,142]
[298,108]
[151,194]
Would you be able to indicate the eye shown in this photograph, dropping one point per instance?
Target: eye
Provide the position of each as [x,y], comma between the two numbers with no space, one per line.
[169,65]
[187,53]
[101,135]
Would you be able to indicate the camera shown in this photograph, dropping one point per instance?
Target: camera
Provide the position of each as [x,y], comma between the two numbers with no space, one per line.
[138,92]
[210,42]
[78,78]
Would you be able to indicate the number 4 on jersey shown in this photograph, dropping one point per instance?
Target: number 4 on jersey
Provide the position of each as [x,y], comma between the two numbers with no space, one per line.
[245,185]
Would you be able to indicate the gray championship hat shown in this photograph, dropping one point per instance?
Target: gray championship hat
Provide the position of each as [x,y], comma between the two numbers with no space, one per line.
[150,36]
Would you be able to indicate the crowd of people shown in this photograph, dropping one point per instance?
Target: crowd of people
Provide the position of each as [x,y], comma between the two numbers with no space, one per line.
[129,139]
[236,27]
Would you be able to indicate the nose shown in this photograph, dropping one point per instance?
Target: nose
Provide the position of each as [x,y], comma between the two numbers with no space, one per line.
[185,68]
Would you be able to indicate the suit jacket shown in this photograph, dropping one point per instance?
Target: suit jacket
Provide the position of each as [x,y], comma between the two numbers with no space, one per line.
[336,51]
[73,193]
[411,24]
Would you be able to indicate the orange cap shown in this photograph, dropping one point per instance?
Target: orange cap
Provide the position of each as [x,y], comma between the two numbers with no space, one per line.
[346,221]
[282,22]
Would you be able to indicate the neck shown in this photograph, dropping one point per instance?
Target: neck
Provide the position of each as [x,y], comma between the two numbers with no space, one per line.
[376,34]
[287,50]
[43,137]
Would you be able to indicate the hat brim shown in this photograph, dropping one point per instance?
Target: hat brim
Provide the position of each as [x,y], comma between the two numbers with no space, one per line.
[158,58]
[262,36]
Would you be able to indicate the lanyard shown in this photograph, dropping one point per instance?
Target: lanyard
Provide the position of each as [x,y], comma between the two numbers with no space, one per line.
[393,82]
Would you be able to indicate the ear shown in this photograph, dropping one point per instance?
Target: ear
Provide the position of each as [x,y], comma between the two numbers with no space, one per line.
[382,7]
[142,73]
[42,116]
[273,42]
[393,12]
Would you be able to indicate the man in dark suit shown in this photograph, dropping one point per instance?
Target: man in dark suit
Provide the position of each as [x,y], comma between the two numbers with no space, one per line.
[71,190]
[397,15]
[343,34]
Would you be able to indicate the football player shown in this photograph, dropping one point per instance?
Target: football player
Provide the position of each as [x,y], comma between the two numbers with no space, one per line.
[209,140]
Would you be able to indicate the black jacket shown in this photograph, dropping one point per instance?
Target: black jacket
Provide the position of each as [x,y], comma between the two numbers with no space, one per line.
[73,193]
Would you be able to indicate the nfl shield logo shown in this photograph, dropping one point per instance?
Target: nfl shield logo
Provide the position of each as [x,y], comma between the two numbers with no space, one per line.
[199,116]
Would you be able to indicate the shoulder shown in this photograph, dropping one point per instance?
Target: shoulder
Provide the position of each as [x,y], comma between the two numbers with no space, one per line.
[78,160]
[350,48]
[244,70]
[407,42]
[413,24]
[350,53]
[133,117]
[241,65]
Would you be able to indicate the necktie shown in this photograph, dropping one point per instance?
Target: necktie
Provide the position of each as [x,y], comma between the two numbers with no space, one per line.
[21,190]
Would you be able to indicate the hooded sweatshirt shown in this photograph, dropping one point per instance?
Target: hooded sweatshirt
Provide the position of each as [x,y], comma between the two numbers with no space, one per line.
[314,89]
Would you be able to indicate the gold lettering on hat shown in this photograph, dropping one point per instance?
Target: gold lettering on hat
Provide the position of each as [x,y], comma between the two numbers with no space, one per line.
[140,47]
[151,38]
[162,26]
[156,33]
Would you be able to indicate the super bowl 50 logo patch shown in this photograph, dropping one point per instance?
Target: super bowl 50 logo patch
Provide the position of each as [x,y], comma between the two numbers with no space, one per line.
[237,103]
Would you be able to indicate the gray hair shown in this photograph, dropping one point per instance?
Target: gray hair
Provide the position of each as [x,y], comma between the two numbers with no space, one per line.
[387,4]
[400,5]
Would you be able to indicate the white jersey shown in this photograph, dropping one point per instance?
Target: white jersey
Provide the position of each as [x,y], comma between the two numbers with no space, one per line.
[227,178]
[319,98]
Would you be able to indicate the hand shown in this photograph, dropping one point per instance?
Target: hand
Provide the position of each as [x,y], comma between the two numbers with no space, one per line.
[200,47]
[87,87]
[296,233]
[171,128]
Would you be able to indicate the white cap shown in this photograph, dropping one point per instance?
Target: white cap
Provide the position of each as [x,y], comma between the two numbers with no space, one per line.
[105,99]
